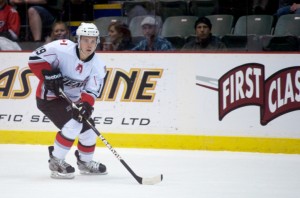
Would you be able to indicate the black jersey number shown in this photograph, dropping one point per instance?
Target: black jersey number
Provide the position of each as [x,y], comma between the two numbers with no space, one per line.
[40,50]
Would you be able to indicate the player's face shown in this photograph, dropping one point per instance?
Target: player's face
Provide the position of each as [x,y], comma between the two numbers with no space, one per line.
[88,44]
[202,31]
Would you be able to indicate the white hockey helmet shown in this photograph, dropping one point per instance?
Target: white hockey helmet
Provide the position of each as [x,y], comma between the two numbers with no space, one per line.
[87,29]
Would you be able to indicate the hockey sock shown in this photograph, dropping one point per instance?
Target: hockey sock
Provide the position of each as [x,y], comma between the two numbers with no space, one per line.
[86,152]
[62,146]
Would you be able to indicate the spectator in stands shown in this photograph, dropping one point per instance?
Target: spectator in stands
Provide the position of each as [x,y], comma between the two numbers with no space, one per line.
[9,27]
[288,7]
[119,36]
[204,39]
[152,42]
[9,21]
[60,30]
[41,13]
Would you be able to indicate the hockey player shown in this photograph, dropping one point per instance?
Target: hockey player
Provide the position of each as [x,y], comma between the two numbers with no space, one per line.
[76,69]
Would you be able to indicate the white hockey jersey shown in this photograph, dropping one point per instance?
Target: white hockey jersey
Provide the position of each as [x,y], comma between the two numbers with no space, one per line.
[79,76]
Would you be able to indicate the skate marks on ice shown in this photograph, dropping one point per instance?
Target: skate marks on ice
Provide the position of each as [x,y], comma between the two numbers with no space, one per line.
[24,173]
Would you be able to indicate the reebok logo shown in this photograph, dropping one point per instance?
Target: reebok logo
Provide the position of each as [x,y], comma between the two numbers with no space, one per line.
[53,77]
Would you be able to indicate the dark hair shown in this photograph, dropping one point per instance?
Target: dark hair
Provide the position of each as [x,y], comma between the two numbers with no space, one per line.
[121,28]
[126,42]
[203,20]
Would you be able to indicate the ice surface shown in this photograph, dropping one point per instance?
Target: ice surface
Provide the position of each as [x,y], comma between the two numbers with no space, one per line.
[187,174]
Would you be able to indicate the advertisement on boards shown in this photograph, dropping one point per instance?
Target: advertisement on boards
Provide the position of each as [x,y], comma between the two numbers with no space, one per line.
[173,93]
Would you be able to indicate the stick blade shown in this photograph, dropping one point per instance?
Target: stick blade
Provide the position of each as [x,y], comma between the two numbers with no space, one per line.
[152,180]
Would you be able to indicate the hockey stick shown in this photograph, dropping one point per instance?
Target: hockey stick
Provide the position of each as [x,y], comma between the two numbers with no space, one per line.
[140,180]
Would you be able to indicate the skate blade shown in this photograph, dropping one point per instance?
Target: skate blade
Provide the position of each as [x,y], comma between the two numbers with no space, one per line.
[89,173]
[57,175]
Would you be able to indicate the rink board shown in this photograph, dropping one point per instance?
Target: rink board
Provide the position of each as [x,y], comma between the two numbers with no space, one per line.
[207,101]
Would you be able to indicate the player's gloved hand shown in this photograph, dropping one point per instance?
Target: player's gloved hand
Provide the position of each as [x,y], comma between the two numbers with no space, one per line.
[83,111]
[53,81]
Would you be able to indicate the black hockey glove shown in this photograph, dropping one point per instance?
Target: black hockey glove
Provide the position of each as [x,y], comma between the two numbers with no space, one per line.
[53,81]
[83,111]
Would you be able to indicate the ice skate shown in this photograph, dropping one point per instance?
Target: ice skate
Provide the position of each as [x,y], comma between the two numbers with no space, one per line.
[59,168]
[90,168]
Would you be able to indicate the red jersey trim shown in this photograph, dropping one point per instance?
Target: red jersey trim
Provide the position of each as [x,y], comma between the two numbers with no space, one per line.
[87,98]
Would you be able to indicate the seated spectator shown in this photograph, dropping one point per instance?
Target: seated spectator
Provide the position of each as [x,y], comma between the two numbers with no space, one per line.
[152,42]
[9,21]
[60,30]
[9,27]
[204,39]
[119,36]
[288,7]
[41,13]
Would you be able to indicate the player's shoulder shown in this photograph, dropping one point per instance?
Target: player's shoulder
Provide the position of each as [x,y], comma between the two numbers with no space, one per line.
[99,65]
[97,59]
[60,45]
